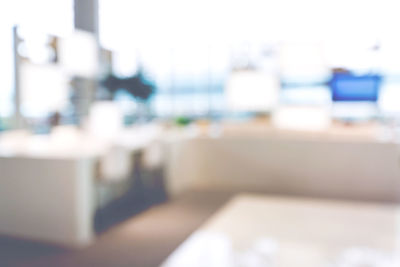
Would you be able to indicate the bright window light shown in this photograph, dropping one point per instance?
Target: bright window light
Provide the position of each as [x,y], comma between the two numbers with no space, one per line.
[36,18]
[175,39]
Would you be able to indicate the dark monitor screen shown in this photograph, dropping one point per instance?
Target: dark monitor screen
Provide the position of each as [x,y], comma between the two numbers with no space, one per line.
[348,87]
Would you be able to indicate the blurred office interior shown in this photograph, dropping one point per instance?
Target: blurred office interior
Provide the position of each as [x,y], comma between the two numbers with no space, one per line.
[133,133]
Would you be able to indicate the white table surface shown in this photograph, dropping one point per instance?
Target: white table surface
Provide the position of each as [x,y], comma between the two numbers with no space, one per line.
[265,231]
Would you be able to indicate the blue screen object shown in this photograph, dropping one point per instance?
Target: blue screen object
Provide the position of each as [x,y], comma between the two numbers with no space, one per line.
[348,87]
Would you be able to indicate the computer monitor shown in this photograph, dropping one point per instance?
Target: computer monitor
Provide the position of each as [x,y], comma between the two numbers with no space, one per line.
[351,88]
[355,97]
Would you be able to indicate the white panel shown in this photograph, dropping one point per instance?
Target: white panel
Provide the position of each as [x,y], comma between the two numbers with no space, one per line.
[252,91]
[78,54]
[44,89]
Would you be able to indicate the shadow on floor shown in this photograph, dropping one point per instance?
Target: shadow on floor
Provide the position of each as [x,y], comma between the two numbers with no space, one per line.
[143,240]
[139,198]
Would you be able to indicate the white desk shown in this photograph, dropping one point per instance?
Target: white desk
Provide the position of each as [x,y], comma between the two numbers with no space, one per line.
[47,183]
[253,231]
[47,187]
[359,162]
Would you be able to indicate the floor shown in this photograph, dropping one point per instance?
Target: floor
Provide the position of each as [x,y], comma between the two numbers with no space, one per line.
[145,239]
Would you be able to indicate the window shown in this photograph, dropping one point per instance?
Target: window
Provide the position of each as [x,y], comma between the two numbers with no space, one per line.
[190,47]
[36,17]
